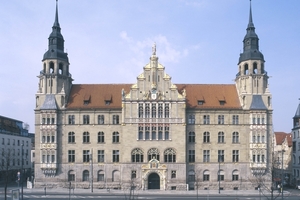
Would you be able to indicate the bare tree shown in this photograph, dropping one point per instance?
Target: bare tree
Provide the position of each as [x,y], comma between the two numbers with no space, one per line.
[6,167]
[265,179]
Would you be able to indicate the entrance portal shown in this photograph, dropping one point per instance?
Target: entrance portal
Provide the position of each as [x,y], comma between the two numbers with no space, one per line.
[153,181]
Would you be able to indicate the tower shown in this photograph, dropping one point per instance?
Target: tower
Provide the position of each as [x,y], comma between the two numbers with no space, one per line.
[255,98]
[252,79]
[54,86]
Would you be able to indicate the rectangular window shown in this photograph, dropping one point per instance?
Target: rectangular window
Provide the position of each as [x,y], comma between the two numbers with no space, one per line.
[220,155]
[221,177]
[206,177]
[206,155]
[100,137]
[86,156]
[220,119]
[100,156]
[86,119]
[235,119]
[160,132]
[133,174]
[191,138]
[221,137]
[167,137]
[153,132]
[235,177]
[141,132]
[167,111]
[141,110]
[147,133]
[192,156]
[191,119]
[173,174]
[235,155]
[115,119]
[116,156]
[206,119]
[71,137]
[160,110]
[71,119]
[262,120]
[86,137]
[153,111]
[253,120]
[147,110]
[100,119]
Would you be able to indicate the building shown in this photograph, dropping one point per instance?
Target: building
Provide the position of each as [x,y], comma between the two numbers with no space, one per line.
[283,152]
[13,141]
[296,147]
[152,133]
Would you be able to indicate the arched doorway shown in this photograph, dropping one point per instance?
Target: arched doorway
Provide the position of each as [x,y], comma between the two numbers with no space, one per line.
[153,181]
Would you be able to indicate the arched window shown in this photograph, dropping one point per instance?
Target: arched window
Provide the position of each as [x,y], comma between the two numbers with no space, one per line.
[153,154]
[221,175]
[115,176]
[170,155]
[235,137]
[51,68]
[71,175]
[100,176]
[246,69]
[206,137]
[101,137]
[255,68]
[206,175]
[137,155]
[85,175]
[235,175]
[60,69]
[221,137]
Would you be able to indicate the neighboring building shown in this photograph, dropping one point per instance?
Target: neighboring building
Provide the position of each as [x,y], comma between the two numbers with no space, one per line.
[13,138]
[296,147]
[153,133]
[283,151]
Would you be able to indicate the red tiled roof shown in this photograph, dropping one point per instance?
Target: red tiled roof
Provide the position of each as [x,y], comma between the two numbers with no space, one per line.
[280,137]
[211,95]
[97,94]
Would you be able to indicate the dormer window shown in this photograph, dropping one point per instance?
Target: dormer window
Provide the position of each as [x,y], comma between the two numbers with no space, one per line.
[200,102]
[107,99]
[86,99]
[222,102]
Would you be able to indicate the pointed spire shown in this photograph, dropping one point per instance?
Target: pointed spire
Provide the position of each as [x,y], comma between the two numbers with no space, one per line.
[56,41]
[251,44]
[250,25]
[56,23]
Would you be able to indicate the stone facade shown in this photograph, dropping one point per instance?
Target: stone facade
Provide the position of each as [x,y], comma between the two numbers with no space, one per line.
[152,133]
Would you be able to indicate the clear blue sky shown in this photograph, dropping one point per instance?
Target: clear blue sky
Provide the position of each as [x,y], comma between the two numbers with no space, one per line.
[198,41]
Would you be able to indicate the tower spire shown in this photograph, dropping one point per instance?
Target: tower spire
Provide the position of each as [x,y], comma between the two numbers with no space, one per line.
[56,23]
[56,41]
[251,42]
[250,24]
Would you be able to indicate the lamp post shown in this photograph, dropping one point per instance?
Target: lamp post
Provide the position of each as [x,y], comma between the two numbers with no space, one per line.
[282,174]
[22,175]
[91,169]
[219,178]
